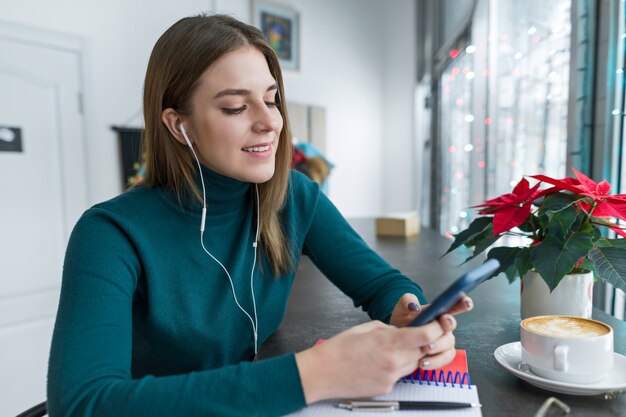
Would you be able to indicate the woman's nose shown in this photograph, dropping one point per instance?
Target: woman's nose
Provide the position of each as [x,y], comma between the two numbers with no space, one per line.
[267,119]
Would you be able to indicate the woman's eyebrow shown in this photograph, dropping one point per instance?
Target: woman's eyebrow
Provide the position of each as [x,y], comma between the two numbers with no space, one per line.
[240,91]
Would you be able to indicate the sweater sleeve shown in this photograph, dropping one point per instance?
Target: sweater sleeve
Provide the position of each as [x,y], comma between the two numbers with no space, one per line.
[342,256]
[90,362]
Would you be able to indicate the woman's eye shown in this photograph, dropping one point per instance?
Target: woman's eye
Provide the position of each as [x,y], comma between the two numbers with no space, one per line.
[237,110]
[270,103]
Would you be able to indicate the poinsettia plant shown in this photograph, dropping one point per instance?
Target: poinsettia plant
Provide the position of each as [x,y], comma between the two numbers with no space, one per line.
[563,225]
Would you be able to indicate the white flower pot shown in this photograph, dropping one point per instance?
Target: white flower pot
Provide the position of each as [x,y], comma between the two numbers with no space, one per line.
[572,297]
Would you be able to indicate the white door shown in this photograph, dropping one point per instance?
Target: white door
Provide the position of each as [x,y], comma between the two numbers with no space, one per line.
[42,194]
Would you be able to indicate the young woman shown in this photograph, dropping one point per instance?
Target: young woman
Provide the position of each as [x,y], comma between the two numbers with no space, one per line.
[169,289]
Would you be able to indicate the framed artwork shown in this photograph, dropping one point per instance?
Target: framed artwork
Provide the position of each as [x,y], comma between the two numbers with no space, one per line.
[281,27]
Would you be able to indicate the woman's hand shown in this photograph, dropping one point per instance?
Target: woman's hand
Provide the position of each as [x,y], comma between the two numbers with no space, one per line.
[368,359]
[408,307]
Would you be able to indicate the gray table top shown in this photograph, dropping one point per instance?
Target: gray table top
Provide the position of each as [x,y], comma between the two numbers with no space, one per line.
[317,309]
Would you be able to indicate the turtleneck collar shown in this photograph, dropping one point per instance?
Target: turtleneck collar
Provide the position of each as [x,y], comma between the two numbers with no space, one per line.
[223,194]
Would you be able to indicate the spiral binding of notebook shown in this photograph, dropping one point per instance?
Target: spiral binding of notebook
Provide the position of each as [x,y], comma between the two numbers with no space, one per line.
[420,376]
[454,374]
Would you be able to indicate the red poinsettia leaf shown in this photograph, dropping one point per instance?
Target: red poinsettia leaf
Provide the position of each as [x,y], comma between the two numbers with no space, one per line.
[585,206]
[543,193]
[617,229]
[494,202]
[569,184]
[520,195]
[509,217]
[586,183]
[618,197]
[603,187]
[610,209]
[529,194]
[521,187]
[488,210]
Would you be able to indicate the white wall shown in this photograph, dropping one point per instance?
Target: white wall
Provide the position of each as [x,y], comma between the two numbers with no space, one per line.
[400,179]
[358,61]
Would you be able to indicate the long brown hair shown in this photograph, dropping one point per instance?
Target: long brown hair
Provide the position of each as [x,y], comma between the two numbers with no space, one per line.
[178,59]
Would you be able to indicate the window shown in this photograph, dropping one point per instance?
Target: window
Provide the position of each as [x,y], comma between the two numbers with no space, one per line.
[503,101]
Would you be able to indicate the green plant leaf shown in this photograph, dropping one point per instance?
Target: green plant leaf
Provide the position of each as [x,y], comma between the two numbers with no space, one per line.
[557,202]
[610,264]
[589,266]
[476,227]
[608,243]
[523,261]
[530,225]
[506,256]
[554,258]
[560,222]
[482,242]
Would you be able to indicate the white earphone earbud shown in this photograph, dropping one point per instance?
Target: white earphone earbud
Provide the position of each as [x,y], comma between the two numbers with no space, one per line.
[184,132]
[254,322]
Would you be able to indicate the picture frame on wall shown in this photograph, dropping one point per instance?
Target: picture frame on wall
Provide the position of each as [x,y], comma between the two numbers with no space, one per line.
[280,25]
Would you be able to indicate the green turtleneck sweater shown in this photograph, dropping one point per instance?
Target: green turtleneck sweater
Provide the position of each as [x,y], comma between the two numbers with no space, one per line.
[147,324]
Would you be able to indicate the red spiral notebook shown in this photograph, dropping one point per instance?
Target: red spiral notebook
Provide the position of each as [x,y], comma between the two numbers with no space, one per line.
[449,383]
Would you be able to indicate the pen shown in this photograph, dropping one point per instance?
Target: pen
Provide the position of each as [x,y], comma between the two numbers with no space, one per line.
[373,405]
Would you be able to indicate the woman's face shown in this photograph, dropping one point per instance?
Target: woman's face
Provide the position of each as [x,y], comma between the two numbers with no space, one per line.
[235,124]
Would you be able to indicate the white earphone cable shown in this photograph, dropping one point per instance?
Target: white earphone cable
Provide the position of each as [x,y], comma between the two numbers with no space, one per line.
[254,323]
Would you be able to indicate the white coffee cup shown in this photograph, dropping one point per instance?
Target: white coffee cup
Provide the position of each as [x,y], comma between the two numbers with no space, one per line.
[567,348]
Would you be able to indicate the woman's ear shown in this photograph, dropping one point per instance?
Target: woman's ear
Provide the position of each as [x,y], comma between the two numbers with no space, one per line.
[172,120]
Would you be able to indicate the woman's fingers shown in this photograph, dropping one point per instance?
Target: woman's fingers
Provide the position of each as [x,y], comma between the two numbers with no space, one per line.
[407,308]
[411,303]
[447,322]
[415,337]
[464,304]
[442,344]
[367,327]
[437,361]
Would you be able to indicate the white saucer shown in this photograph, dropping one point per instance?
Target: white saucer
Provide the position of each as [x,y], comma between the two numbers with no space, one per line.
[510,357]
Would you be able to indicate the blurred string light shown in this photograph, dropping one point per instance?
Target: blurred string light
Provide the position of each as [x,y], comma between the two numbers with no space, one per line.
[519,61]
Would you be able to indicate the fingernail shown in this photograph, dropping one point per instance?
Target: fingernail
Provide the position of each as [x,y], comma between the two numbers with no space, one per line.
[425,364]
[469,304]
[414,307]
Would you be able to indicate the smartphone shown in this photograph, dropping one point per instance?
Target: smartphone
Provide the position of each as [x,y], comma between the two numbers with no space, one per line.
[453,293]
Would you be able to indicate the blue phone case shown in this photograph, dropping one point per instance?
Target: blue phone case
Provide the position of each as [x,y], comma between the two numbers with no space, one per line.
[452,294]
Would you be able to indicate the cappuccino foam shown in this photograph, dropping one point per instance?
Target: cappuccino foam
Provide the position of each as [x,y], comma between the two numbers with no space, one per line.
[562,326]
